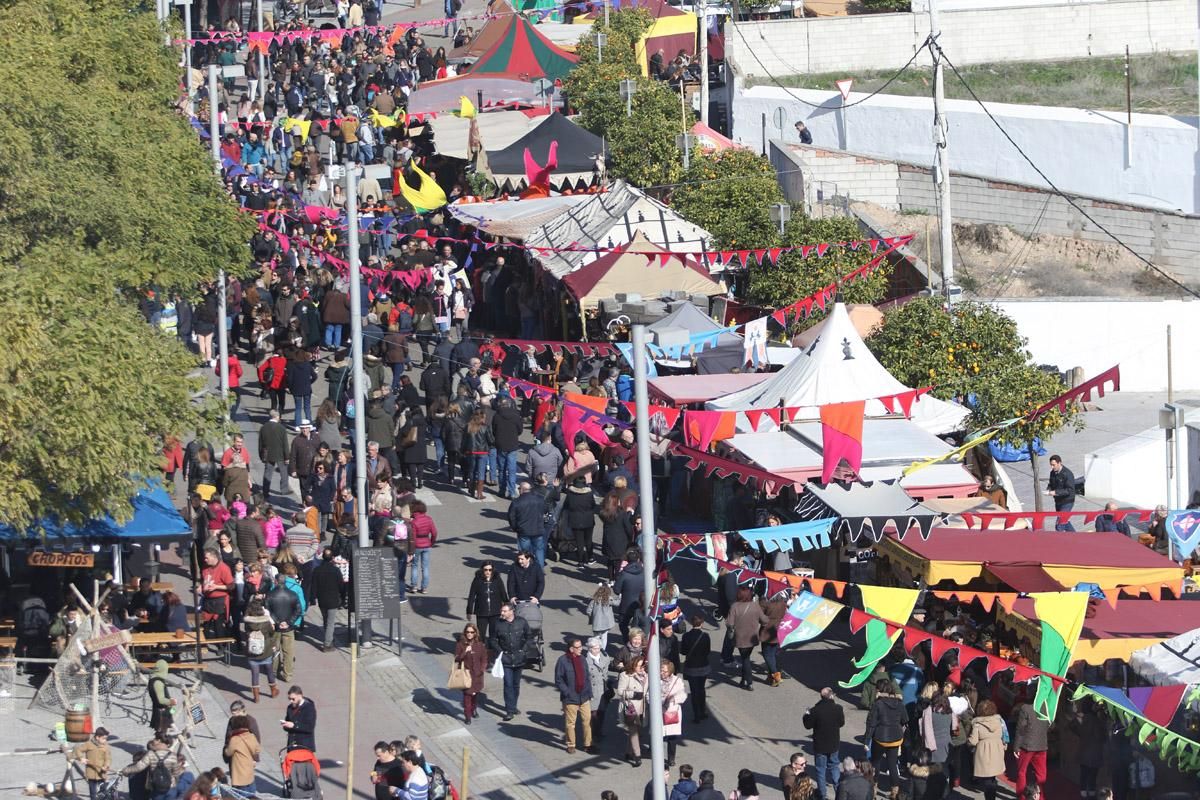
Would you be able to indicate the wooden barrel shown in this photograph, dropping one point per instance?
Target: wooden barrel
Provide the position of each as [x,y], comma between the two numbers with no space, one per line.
[79,726]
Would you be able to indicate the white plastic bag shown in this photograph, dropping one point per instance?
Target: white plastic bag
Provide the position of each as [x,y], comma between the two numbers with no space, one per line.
[498,669]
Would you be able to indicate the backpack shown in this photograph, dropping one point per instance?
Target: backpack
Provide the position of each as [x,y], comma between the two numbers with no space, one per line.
[404,319]
[34,622]
[439,784]
[487,359]
[268,376]
[256,643]
[160,781]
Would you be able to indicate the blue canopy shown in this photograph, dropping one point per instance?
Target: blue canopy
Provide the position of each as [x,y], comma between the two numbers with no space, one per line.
[154,518]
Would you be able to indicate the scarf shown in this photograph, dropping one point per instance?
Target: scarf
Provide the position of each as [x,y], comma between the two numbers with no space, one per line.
[577,663]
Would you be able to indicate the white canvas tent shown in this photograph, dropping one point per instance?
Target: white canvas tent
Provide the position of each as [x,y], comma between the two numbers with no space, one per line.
[514,218]
[1172,662]
[497,130]
[838,368]
[611,219]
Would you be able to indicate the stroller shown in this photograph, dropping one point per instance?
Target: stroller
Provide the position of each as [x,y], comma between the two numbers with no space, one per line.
[301,773]
[535,654]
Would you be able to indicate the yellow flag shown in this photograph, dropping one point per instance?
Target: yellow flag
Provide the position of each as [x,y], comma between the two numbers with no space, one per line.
[382,120]
[425,197]
[466,109]
[980,438]
[893,604]
[291,123]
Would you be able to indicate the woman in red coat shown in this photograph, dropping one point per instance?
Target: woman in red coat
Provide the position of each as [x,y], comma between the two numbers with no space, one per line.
[272,377]
[235,381]
[472,654]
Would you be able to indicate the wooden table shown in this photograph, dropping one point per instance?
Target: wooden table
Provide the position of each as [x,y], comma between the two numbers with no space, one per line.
[9,642]
[188,640]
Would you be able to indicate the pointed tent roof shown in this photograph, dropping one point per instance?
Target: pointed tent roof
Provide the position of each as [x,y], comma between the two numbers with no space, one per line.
[521,50]
[838,369]
[686,315]
[629,266]
[577,149]
[488,35]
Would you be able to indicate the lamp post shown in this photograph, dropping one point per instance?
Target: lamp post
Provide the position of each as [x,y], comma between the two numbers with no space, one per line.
[601,40]
[187,52]
[781,213]
[684,142]
[628,90]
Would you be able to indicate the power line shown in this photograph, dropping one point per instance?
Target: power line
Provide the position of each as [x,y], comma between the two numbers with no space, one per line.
[1171,278]
[776,81]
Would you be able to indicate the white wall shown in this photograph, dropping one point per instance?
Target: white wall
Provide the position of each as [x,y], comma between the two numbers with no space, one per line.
[976,36]
[1081,151]
[1096,334]
[922,6]
[1134,469]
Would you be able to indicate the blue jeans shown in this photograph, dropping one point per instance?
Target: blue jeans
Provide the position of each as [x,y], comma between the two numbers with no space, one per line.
[512,689]
[420,567]
[250,788]
[1065,526]
[770,654]
[303,402]
[333,335]
[534,545]
[508,473]
[402,570]
[397,371]
[479,466]
[827,763]
[493,467]
[439,453]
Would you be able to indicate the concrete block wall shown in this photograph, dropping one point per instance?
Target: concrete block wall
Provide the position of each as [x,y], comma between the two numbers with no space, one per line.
[972,36]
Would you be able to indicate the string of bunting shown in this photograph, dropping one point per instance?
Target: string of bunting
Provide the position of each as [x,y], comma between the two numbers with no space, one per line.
[1170,746]
[939,645]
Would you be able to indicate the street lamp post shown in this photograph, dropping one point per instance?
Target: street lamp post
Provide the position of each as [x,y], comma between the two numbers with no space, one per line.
[781,213]
[601,40]
[628,90]
[684,142]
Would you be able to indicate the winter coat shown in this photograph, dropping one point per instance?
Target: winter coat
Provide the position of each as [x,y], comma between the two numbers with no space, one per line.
[544,458]
[525,515]
[695,646]
[564,681]
[598,675]
[486,595]
[422,532]
[474,659]
[601,614]
[628,686]
[526,582]
[886,719]
[854,786]
[284,606]
[1031,731]
[273,442]
[825,720]
[987,737]
[99,759]
[249,538]
[325,586]
[300,377]
[936,730]
[304,448]
[413,453]
[242,752]
[509,640]
[674,693]
[380,426]
[335,308]
[580,508]
[618,535]
[774,609]
[279,369]
[506,427]
[453,433]
[744,620]
[266,626]
[629,585]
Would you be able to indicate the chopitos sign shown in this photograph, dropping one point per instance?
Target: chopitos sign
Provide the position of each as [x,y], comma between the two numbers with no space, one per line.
[41,558]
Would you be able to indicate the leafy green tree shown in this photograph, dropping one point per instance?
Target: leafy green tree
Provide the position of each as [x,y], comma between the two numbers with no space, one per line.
[795,276]
[729,193]
[105,193]
[970,349]
[641,145]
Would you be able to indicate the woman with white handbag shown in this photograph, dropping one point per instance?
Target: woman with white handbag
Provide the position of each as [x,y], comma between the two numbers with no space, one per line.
[470,662]
[631,690]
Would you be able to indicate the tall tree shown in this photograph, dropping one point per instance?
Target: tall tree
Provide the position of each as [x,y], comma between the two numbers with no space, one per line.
[729,194]
[105,193]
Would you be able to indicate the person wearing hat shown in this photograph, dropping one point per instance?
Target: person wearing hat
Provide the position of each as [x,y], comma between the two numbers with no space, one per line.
[376,372]
[300,459]
[96,758]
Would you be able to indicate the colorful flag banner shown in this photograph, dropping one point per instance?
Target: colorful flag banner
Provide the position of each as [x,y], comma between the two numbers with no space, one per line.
[755,342]
[1061,615]
[882,603]
[972,442]
[807,617]
[1156,703]
[1183,529]
[841,436]
[812,534]
[1172,748]
[1082,392]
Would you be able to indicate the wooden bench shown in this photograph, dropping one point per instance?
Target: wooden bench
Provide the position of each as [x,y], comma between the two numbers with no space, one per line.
[187,642]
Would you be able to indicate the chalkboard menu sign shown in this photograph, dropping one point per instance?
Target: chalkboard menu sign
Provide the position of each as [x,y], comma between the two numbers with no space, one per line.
[376,577]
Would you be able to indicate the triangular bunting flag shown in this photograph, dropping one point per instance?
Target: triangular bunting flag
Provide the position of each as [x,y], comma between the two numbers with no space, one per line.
[754,415]
[858,619]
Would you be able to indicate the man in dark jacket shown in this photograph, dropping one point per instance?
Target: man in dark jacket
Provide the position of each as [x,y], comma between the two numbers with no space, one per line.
[1061,486]
[304,448]
[509,637]
[886,722]
[825,719]
[1108,520]
[300,721]
[435,383]
[249,535]
[706,790]
[668,645]
[526,580]
[273,452]
[325,589]
[506,428]
[629,585]
[574,684]
[525,517]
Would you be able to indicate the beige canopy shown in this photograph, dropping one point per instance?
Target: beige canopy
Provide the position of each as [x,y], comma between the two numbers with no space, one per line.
[636,267]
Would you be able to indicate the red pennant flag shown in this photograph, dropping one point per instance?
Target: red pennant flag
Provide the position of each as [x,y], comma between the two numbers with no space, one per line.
[1022,673]
[759,255]
[780,317]
[858,619]
[874,246]
[663,258]
[822,248]
[773,254]
[630,406]
[938,647]
[669,415]
[775,415]
[888,401]
[996,664]
[820,300]
[906,400]
[744,257]
[913,637]
[754,415]
[806,250]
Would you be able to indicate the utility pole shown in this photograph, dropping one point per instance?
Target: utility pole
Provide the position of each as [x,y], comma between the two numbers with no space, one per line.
[649,554]
[262,59]
[704,61]
[187,53]
[356,353]
[215,143]
[941,165]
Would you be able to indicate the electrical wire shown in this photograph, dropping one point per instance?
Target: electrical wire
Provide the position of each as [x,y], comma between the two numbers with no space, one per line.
[1168,276]
[787,89]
